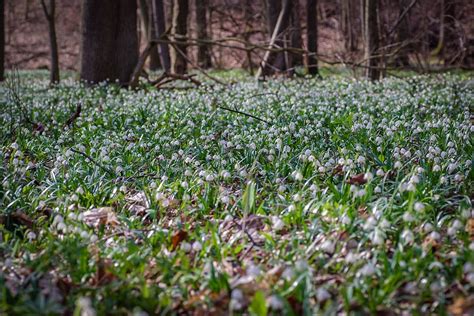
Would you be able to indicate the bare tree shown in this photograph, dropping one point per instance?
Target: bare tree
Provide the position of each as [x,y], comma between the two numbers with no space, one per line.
[50,14]
[159,29]
[148,30]
[371,30]
[312,36]
[203,54]
[179,28]
[109,42]
[2,40]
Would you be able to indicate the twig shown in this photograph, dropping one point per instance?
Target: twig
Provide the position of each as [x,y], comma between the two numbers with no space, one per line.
[243,113]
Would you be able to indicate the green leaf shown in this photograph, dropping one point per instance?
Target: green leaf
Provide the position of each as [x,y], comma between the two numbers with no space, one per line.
[258,306]
[248,198]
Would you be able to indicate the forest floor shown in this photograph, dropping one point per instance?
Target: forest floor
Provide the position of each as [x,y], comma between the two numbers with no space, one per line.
[299,196]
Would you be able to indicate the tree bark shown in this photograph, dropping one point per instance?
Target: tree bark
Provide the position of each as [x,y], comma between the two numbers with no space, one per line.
[109,43]
[248,27]
[296,37]
[179,32]
[50,15]
[276,60]
[372,62]
[446,29]
[2,40]
[203,54]
[159,30]
[403,37]
[148,30]
[348,32]
[312,36]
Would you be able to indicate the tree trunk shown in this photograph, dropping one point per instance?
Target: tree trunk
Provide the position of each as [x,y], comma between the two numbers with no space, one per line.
[2,40]
[372,40]
[203,54]
[296,37]
[312,36]
[403,37]
[347,26]
[50,15]
[159,29]
[109,43]
[446,29]
[248,27]
[148,30]
[179,31]
[276,60]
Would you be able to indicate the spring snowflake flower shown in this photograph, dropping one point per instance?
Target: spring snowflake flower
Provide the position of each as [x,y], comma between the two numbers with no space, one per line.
[367,270]
[407,236]
[419,207]
[322,294]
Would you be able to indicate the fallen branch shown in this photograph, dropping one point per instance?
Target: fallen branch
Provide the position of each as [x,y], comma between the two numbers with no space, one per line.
[238,112]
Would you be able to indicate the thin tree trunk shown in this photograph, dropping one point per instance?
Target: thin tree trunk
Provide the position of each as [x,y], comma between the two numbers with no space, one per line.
[347,26]
[159,22]
[403,37]
[248,26]
[372,40]
[203,54]
[109,42]
[312,36]
[296,37]
[446,29]
[179,31]
[2,40]
[50,15]
[148,30]
[275,8]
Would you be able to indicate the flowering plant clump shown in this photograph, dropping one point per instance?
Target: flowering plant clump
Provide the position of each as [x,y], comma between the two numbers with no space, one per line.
[314,196]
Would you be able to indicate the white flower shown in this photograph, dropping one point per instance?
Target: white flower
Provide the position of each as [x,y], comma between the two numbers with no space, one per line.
[196,246]
[378,237]
[367,270]
[31,236]
[236,299]
[225,199]
[408,217]
[186,247]
[277,223]
[419,207]
[322,294]
[275,303]
[407,236]
[328,246]
[297,176]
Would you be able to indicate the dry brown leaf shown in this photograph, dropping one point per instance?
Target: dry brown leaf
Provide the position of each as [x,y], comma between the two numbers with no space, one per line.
[177,238]
[470,228]
[100,216]
[338,170]
[358,179]
[103,274]
[462,306]
[431,244]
